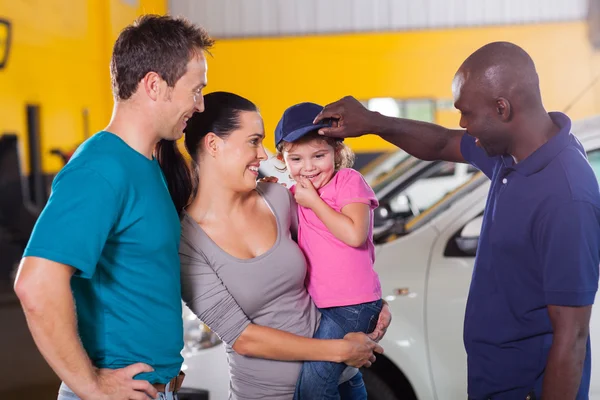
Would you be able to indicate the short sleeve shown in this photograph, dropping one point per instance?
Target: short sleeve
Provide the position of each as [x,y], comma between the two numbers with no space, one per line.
[76,221]
[568,241]
[476,156]
[352,188]
[206,295]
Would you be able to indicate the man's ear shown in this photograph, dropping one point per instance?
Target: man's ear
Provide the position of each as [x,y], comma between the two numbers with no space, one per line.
[503,109]
[152,84]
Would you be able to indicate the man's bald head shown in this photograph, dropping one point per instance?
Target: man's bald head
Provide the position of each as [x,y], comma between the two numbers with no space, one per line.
[496,90]
[503,69]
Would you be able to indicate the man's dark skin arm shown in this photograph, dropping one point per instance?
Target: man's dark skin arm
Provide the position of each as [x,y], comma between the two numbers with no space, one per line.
[567,354]
[420,139]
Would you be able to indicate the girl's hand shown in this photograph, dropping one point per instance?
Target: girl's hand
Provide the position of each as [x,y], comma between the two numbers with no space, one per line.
[306,194]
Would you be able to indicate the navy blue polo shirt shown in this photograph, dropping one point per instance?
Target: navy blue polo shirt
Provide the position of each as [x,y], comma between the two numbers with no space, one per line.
[539,246]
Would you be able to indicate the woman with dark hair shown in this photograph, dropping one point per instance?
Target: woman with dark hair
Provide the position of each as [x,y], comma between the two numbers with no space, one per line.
[241,271]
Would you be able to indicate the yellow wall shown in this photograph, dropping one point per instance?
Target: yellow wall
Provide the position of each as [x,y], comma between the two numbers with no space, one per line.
[60,55]
[278,72]
[59,59]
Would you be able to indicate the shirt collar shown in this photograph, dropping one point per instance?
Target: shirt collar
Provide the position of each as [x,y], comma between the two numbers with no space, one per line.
[540,158]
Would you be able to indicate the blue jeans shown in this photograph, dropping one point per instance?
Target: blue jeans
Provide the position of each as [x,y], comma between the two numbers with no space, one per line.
[354,389]
[64,393]
[319,379]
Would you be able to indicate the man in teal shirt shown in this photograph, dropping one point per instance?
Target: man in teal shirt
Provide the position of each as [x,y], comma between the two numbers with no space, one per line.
[99,281]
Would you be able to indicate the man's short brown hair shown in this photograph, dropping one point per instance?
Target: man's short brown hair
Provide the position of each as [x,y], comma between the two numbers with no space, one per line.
[161,44]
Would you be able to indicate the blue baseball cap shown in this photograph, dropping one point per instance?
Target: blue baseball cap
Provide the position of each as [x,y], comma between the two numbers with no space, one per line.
[297,121]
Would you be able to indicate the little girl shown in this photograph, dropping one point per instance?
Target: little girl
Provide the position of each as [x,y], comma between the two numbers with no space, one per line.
[335,232]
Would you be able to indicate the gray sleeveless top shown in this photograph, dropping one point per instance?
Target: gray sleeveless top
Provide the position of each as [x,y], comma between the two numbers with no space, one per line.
[228,293]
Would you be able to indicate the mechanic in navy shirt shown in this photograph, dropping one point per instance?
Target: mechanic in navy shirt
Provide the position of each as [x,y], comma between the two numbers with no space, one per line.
[536,271]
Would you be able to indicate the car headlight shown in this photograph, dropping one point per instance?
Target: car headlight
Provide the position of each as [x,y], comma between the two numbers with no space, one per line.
[196,335]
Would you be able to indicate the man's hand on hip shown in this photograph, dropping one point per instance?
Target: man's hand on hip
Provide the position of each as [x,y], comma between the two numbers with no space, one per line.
[118,384]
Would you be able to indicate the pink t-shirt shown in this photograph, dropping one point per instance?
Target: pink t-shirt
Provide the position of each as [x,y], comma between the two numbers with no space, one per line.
[338,274]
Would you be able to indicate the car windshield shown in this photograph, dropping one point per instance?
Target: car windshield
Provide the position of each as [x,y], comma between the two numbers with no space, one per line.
[394,173]
[474,181]
[379,169]
[428,187]
[421,196]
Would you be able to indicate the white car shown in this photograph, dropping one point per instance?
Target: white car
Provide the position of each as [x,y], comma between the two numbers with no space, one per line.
[425,258]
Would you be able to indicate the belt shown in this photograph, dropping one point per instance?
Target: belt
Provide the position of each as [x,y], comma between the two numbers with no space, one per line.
[174,384]
[530,396]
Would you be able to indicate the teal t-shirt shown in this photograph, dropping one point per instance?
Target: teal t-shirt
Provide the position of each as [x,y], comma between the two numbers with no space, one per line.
[110,216]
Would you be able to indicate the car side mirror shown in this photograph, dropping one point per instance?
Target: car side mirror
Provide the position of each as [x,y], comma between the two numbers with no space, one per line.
[468,240]
[386,223]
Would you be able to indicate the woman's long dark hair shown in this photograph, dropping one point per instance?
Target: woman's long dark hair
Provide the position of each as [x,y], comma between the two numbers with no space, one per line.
[220,116]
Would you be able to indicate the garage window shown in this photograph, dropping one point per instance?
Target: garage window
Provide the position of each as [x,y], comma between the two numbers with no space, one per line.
[418,109]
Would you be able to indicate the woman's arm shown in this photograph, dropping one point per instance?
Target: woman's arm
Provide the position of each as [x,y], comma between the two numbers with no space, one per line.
[206,295]
[356,349]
